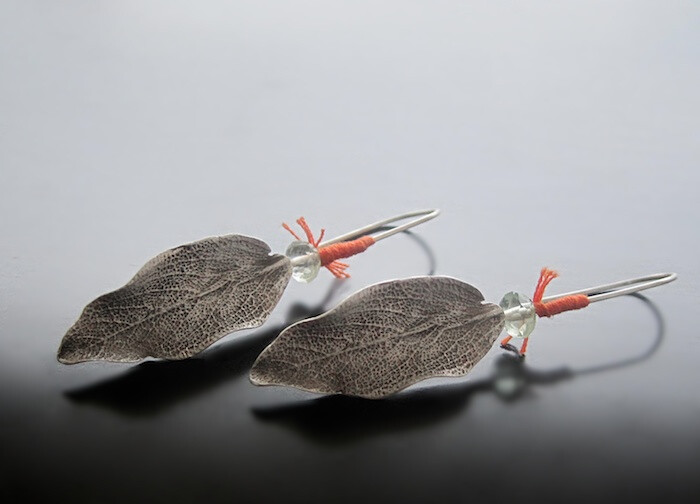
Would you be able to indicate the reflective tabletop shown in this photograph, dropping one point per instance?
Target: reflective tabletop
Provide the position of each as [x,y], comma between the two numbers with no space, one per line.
[549,135]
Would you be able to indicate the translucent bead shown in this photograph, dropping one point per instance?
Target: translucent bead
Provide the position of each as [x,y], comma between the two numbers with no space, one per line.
[305,261]
[520,314]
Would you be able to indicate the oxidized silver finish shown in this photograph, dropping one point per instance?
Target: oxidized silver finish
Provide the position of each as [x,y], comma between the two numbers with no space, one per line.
[180,302]
[384,338]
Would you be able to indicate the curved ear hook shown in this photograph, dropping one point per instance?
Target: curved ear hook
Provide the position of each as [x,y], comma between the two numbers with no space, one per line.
[424,216]
[621,288]
[307,258]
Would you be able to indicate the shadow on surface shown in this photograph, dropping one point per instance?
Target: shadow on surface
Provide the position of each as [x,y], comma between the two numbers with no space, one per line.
[152,387]
[339,419]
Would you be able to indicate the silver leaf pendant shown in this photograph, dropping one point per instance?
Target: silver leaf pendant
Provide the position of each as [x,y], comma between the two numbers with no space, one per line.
[391,335]
[384,338]
[180,302]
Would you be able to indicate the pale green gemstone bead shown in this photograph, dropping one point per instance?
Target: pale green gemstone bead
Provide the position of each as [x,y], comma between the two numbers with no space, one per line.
[520,314]
[305,261]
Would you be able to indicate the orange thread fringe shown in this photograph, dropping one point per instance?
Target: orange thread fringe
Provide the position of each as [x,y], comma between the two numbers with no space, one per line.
[550,308]
[331,253]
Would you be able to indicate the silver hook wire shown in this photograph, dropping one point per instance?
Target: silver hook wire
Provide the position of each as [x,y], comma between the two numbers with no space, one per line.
[621,288]
[425,215]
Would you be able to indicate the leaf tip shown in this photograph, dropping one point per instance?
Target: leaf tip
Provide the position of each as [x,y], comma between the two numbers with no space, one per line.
[262,373]
[77,346]
[69,352]
[257,378]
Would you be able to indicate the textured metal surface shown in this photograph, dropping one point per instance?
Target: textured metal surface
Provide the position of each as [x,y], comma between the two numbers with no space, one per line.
[384,338]
[180,302]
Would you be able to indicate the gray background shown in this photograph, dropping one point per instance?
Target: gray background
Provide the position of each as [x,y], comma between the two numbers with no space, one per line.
[549,133]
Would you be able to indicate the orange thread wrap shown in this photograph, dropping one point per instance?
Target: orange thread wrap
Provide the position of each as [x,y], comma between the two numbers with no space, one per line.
[331,253]
[341,250]
[551,308]
[568,303]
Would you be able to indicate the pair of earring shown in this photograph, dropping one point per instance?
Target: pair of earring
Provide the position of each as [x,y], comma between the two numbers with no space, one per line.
[378,341]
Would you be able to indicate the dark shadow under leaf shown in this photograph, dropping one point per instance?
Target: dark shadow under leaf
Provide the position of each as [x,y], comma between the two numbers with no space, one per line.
[152,387]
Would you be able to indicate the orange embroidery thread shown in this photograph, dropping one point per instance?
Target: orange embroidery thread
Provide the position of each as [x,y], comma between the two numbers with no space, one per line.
[550,308]
[331,253]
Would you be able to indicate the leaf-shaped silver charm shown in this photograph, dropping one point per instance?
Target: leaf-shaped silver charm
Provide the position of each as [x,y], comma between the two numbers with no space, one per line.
[384,338]
[180,302]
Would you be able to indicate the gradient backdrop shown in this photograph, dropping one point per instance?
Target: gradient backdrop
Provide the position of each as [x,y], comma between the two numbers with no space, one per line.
[562,133]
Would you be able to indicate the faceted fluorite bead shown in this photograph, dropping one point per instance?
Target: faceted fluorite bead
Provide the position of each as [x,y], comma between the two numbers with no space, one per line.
[520,314]
[305,261]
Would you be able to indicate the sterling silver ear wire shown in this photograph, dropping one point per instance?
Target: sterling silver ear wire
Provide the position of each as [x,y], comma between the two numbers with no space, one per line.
[621,288]
[308,257]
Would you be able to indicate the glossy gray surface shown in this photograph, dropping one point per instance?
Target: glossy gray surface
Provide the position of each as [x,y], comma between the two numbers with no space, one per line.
[562,135]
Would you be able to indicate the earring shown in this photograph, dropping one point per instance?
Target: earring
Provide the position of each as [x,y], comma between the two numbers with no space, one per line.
[391,335]
[185,299]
